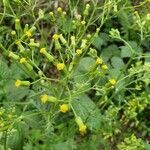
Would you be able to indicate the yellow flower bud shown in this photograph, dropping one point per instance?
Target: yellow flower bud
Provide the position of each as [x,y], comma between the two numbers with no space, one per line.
[55,36]
[17,20]
[60,66]
[13,32]
[22,60]
[59,9]
[78,51]
[64,108]
[83,22]
[44,98]
[99,61]
[21,83]
[51,13]
[28,33]
[83,129]
[104,67]
[78,17]
[42,50]
[64,13]
[112,81]
[17,83]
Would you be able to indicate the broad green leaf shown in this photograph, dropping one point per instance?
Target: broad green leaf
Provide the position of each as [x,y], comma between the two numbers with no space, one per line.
[98,42]
[110,51]
[117,62]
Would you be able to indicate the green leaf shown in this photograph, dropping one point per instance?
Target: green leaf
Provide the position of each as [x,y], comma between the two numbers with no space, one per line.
[4,70]
[88,111]
[117,62]
[13,93]
[67,145]
[98,42]
[110,51]
[125,51]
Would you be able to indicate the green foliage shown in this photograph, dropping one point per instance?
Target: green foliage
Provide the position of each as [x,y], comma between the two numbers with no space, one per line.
[74,75]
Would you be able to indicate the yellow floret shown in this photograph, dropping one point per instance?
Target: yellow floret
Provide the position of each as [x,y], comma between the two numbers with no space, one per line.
[55,36]
[59,9]
[104,67]
[99,61]
[17,20]
[78,51]
[42,50]
[28,33]
[112,81]
[60,66]
[51,13]
[44,98]
[17,83]
[83,129]
[83,22]
[13,32]
[64,108]
[22,60]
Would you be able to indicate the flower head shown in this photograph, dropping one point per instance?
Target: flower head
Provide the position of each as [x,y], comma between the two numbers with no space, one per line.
[42,50]
[13,32]
[60,66]
[55,36]
[44,98]
[18,83]
[104,67]
[28,33]
[51,13]
[64,108]
[112,81]
[83,129]
[78,51]
[22,60]
[83,22]
[59,9]
[99,61]
[17,20]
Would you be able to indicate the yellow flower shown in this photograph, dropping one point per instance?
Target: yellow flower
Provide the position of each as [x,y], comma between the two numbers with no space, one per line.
[99,61]
[17,20]
[64,108]
[42,50]
[64,13]
[79,17]
[60,66]
[78,51]
[55,36]
[44,98]
[83,22]
[13,32]
[22,60]
[83,129]
[112,81]
[59,9]
[104,67]
[51,13]
[28,33]
[17,83]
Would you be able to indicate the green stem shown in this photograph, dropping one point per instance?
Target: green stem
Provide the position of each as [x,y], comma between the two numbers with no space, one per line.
[5,140]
